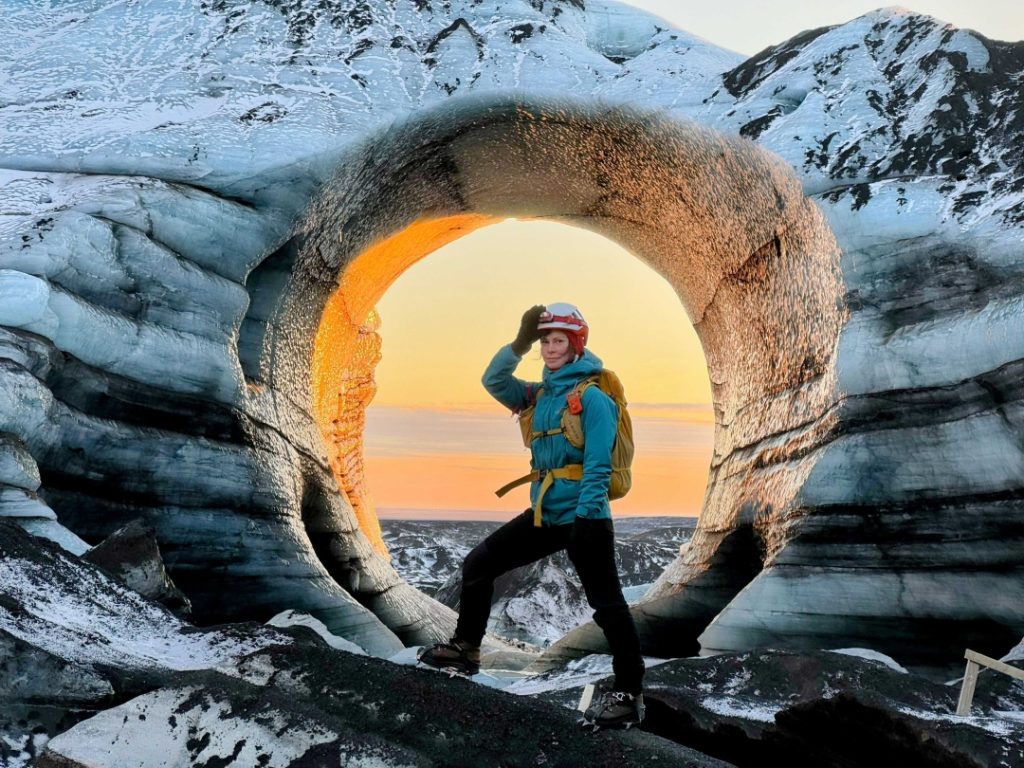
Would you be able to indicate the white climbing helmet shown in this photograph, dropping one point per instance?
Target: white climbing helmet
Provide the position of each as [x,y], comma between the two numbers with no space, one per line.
[565,317]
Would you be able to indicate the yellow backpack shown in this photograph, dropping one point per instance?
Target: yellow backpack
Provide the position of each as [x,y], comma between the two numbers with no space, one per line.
[571,426]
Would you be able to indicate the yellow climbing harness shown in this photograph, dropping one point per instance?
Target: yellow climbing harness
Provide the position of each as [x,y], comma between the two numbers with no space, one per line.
[547,477]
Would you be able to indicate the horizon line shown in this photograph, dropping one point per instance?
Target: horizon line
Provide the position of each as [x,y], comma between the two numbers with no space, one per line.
[495,514]
[696,412]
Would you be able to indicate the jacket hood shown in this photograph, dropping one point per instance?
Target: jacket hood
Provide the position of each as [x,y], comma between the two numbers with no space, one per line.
[567,376]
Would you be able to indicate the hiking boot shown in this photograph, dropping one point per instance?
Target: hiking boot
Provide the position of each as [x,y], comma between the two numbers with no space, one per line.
[615,709]
[455,655]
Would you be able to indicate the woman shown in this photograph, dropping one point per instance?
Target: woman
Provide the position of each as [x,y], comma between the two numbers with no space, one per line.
[570,513]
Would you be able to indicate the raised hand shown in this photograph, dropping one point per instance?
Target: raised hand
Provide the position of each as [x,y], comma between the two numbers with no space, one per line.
[528,332]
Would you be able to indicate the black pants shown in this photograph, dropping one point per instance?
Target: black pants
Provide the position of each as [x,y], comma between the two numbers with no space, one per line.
[518,543]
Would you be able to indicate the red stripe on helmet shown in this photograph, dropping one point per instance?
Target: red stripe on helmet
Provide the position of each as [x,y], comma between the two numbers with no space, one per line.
[562,319]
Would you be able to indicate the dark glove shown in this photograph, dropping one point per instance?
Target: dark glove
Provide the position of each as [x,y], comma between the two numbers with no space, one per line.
[528,332]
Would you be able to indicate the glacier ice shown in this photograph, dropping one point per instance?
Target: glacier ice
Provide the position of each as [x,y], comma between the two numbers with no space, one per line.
[184,185]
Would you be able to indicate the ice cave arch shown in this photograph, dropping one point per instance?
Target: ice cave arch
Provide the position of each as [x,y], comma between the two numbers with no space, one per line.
[877,478]
[725,223]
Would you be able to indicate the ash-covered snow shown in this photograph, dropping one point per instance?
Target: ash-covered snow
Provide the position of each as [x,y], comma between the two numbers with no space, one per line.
[329,708]
[229,736]
[745,710]
[996,724]
[78,613]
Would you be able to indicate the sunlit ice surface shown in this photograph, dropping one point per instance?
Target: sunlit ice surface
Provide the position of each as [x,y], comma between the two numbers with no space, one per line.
[347,350]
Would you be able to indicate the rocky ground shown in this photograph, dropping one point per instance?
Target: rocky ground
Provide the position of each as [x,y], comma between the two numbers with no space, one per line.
[828,709]
[304,705]
[94,674]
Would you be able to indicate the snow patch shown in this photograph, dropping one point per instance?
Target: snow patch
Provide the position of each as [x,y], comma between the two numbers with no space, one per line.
[576,673]
[736,708]
[97,620]
[867,653]
[1016,653]
[297,619]
[996,725]
[160,729]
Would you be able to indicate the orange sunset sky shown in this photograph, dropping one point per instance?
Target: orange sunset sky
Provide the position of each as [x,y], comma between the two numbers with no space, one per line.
[436,441]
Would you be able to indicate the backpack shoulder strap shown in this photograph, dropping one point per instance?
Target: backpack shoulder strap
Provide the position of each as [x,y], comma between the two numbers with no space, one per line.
[525,415]
[584,384]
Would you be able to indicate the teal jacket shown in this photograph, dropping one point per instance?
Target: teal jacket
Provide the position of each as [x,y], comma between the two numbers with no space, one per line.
[566,499]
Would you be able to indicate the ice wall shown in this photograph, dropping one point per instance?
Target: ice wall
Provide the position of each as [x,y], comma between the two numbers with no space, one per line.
[187,185]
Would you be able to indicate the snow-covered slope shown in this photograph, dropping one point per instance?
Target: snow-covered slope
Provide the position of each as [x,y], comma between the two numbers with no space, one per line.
[74,641]
[76,613]
[890,95]
[426,553]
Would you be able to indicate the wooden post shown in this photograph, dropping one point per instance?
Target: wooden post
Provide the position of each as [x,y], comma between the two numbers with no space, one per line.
[963,707]
[998,666]
[975,661]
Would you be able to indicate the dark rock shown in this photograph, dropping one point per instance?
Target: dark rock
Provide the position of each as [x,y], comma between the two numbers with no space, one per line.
[132,555]
[311,706]
[754,70]
[37,676]
[827,708]
[521,32]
